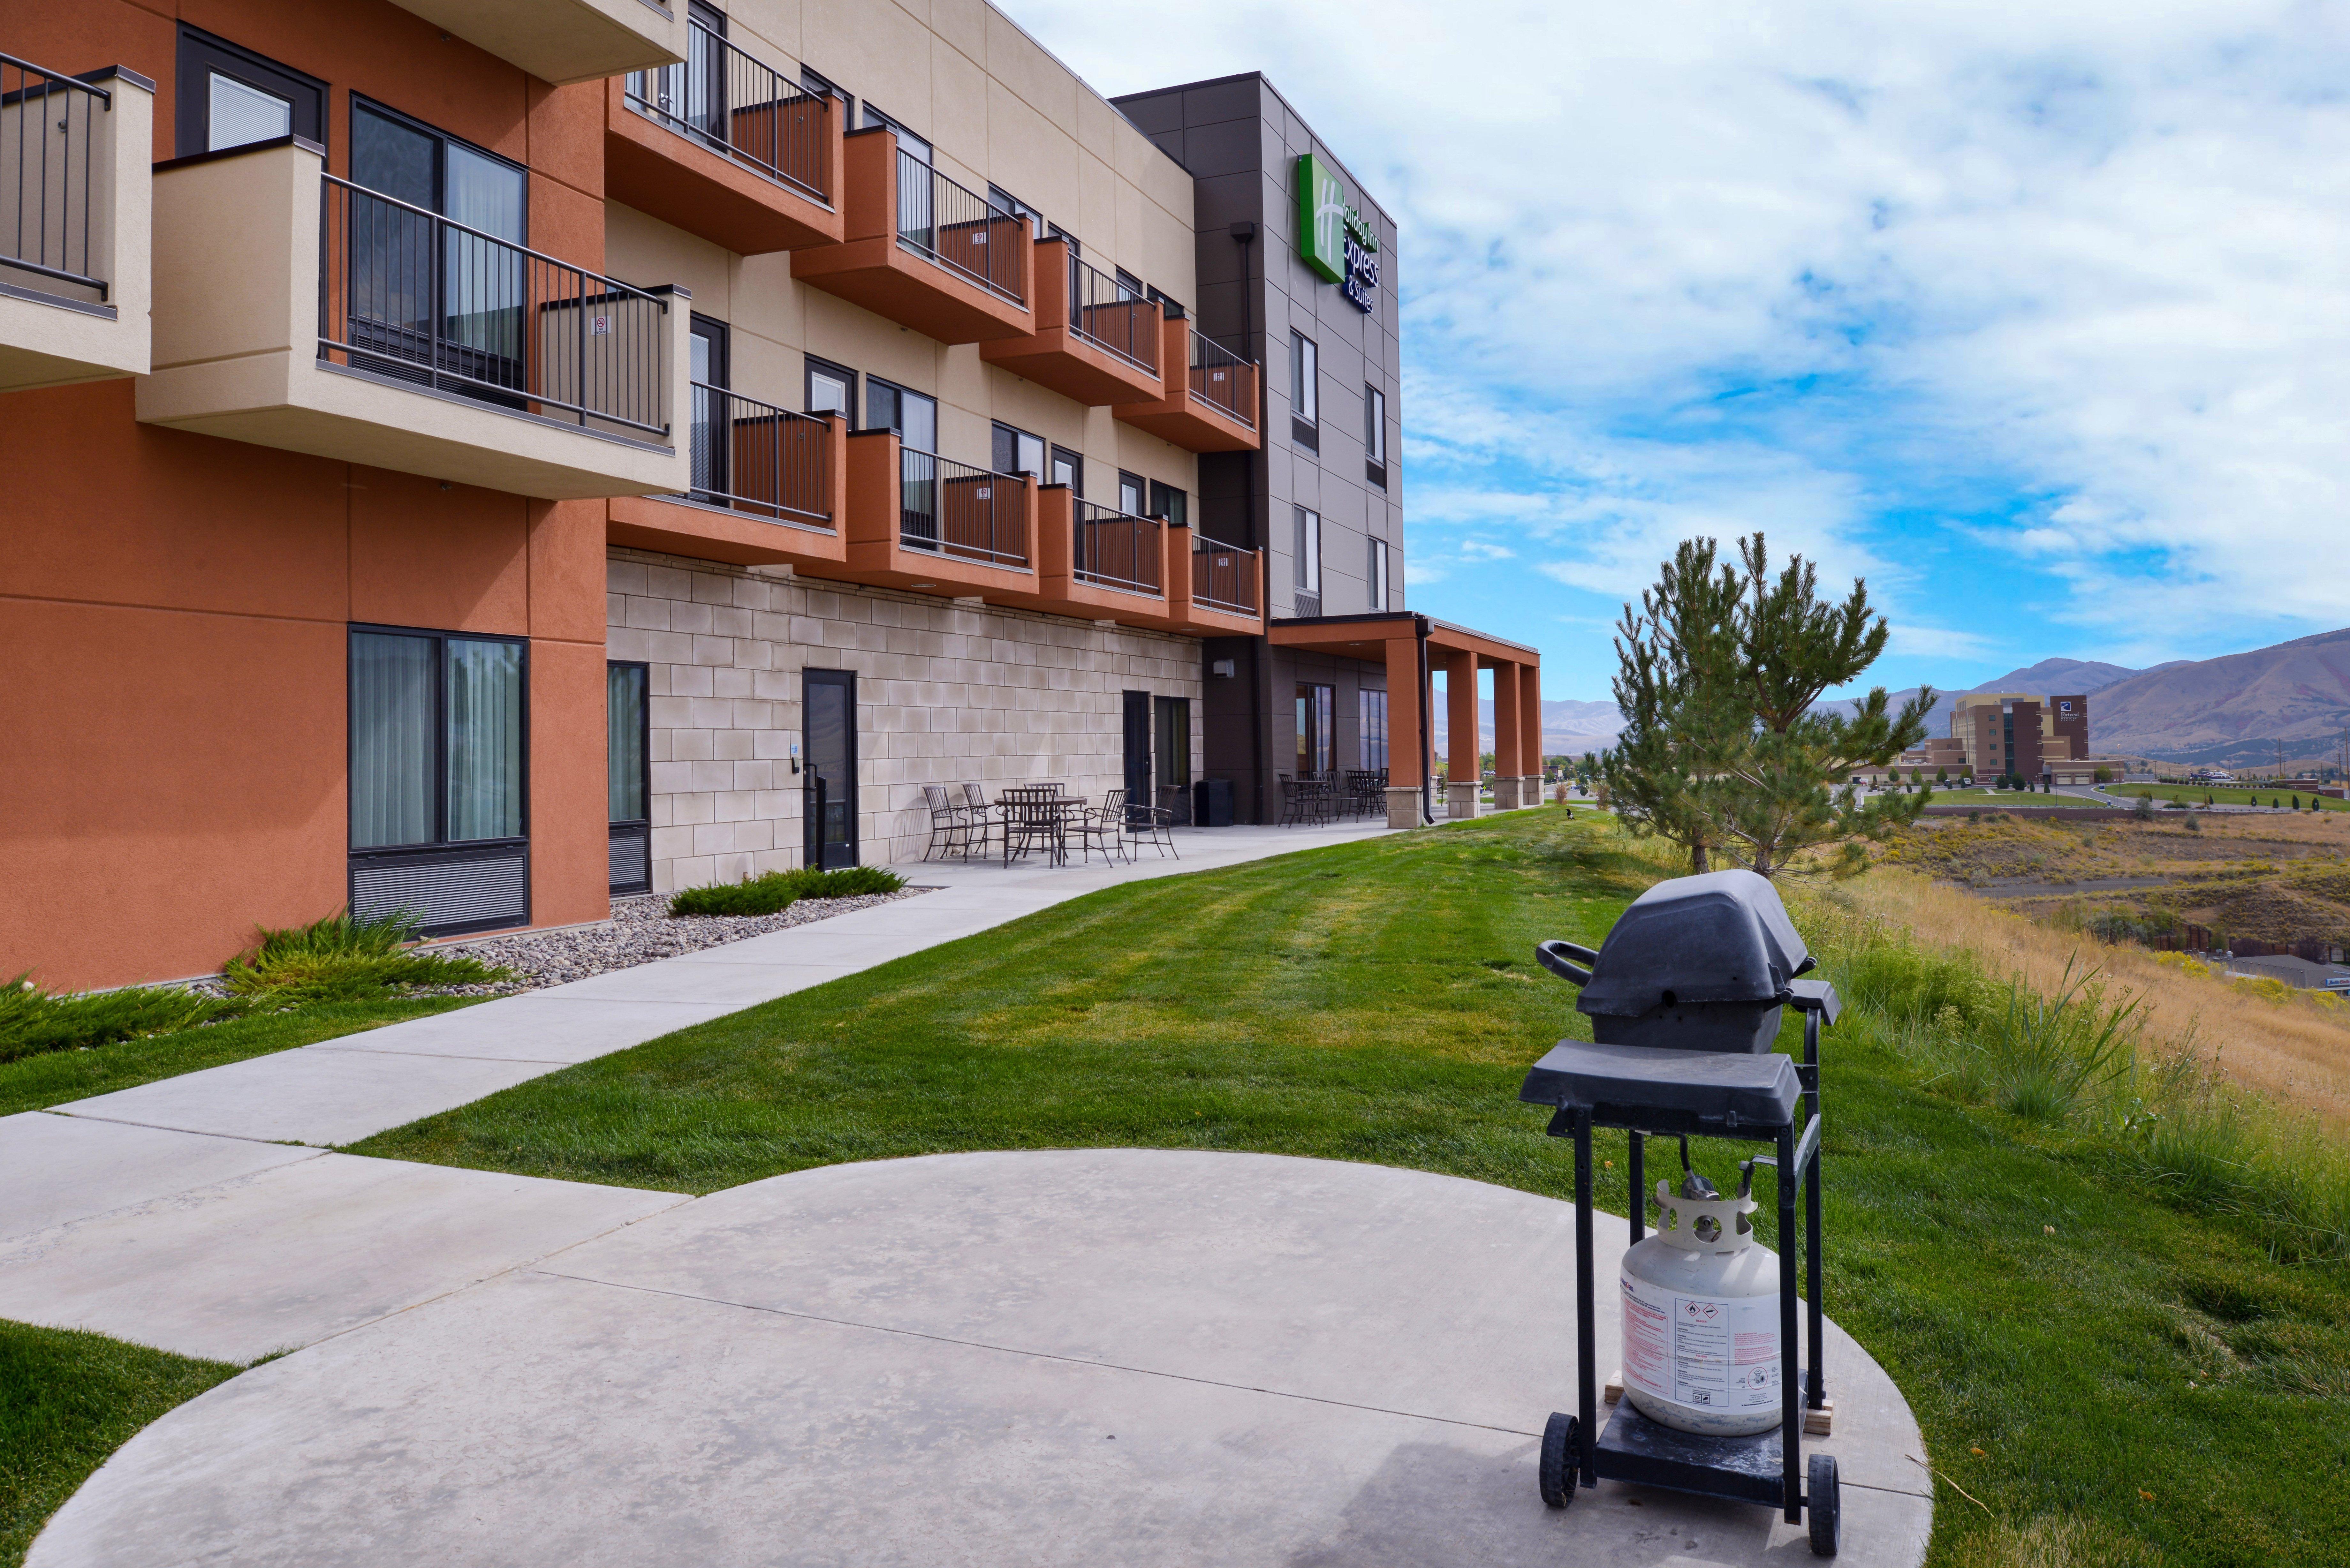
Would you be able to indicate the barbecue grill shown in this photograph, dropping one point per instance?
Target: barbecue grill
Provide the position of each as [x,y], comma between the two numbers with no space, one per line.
[1685,997]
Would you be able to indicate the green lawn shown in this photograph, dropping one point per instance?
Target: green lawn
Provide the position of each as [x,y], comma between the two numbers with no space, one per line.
[2193,794]
[2003,798]
[2115,1379]
[54,1077]
[67,1401]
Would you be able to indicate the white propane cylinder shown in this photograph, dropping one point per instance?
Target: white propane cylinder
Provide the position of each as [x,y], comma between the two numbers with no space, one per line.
[1701,1319]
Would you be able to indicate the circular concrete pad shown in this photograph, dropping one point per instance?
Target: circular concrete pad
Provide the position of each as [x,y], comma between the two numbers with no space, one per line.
[1070,1357]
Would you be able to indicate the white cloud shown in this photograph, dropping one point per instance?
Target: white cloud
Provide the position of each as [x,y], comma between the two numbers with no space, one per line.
[1712,265]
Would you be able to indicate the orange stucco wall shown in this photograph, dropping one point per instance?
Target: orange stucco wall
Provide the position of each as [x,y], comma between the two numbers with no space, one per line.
[174,608]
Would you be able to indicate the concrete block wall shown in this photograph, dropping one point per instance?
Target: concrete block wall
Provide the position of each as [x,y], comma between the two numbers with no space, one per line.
[945,693]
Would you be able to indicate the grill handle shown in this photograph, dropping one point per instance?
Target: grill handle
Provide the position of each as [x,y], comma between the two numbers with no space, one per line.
[1554,956]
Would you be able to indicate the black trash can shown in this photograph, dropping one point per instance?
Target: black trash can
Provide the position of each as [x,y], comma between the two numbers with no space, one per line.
[1212,803]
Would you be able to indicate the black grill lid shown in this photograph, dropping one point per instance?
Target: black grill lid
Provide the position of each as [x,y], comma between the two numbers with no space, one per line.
[1720,936]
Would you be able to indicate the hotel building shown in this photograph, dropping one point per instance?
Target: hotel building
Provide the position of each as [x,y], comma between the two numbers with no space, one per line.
[489,456]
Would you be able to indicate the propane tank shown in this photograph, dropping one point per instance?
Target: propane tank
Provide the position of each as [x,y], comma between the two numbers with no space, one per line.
[1701,1314]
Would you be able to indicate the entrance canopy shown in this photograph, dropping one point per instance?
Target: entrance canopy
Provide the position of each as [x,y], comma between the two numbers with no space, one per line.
[1412,646]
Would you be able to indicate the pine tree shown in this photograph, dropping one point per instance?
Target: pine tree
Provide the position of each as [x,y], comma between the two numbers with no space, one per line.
[1725,749]
[1676,686]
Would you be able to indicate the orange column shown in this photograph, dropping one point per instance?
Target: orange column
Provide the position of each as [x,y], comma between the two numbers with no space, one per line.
[1507,748]
[1530,735]
[1407,762]
[1461,684]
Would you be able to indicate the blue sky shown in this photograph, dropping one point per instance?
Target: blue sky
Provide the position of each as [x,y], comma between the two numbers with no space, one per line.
[2035,314]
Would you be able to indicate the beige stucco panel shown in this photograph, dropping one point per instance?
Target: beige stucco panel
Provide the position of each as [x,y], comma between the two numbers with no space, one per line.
[767,28]
[963,24]
[1026,153]
[875,51]
[958,110]
[564,41]
[1040,81]
[643,250]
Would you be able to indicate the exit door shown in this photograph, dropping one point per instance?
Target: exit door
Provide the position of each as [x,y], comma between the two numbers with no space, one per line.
[829,740]
[1138,750]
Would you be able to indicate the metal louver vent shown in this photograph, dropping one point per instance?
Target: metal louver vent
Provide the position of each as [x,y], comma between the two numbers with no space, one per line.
[632,860]
[453,891]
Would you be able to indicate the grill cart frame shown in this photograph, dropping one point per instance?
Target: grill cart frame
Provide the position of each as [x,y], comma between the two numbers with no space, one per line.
[1661,1092]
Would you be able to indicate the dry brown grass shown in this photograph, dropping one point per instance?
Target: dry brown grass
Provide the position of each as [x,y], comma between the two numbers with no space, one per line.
[2294,1053]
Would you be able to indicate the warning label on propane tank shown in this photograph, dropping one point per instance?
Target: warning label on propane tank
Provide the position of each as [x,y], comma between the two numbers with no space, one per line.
[1693,1350]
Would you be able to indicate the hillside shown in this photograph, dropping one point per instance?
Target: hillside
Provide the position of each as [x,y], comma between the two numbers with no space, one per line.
[2234,707]
[1569,727]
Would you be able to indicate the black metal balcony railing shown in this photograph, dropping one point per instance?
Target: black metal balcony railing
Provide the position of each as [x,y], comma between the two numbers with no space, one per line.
[739,108]
[48,147]
[1118,549]
[754,457]
[1223,577]
[971,513]
[1220,379]
[1109,314]
[962,232]
[407,293]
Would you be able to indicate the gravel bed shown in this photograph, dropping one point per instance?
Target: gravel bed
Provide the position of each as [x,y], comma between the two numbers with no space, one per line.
[641,930]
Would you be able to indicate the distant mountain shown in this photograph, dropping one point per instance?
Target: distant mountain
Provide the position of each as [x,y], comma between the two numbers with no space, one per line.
[2235,708]
[1569,727]
[2047,677]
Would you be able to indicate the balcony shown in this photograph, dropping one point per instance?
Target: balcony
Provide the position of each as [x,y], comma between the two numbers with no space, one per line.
[770,487]
[925,523]
[563,41]
[727,148]
[1096,342]
[1221,591]
[74,223]
[1208,401]
[295,310]
[1097,562]
[921,250]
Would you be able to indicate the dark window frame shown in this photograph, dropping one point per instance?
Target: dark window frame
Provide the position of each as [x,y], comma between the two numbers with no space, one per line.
[200,53]
[359,102]
[1307,574]
[720,336]
[1133,484]
[875,119]
[901,392]
[633,827]
[810,365]
[997,429]
[441,641]
[1160,494]
[1374,435]
[1055,455]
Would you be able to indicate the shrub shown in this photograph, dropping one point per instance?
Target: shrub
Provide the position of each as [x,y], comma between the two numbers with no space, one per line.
[1909,984]
[2045,1059]
[347,957]
[778,891]
[2190,824]
[2143,809]
[33,1020]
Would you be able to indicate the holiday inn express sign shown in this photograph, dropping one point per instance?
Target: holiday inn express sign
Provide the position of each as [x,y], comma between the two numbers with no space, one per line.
[1332,238]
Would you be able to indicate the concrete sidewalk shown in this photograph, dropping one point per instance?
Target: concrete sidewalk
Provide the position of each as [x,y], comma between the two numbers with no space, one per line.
[201,1213]
[1058,1359]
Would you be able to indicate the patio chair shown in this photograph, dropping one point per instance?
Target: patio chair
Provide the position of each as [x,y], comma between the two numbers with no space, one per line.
[1295,808]
[1152,824]
[1103,826]
[1032,820]
[979,816]
[950,824]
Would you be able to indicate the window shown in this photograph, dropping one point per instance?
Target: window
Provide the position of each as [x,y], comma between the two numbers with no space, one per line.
[1131,493]
[907,140]
[455,308]
[831,389]
[1371,715]
[627,769]
[231,96]
[711,415]
[1309,554]
[1006,202]
[436,739]
[1128,286]
[1171,718]
[1377,574]
[1171,503]
[1018,452]
[915,417]
[1069,469]
[1375,436]
[1316,707]
[1305,400]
